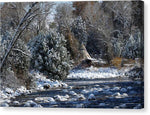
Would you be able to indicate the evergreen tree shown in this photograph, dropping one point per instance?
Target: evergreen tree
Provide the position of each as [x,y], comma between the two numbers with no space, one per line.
[134,47]
[49,55]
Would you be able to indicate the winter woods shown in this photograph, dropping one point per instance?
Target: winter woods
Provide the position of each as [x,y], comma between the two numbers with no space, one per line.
[53,38]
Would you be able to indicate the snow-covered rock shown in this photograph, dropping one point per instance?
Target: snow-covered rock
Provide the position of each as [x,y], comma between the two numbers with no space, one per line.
[99,89]
[116,94]
[65,90]
[61,98]
[7,101]
[66,96]
[64,85]
[124,95]
[51,100]
[73,99]
[116,107]
[91,97]
[31,103]
[80,97]
[22,90]
[92,90]
[84,91]
[116,88]
[72,93]
[129,87]
[139,106]
[96,85]
[45,100]
[58,98]
[79,105]
[139,82]
[4,105]
[102,104]
[9,91]
[27,105]
[70,87]
[38,105]
[107,92]
[16,102]
[123,90]
[107,87]
[123,105]
[3,95]
[95,90]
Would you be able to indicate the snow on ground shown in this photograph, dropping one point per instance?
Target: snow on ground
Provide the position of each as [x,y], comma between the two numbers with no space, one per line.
[41,83]
[7,93]
[94,73]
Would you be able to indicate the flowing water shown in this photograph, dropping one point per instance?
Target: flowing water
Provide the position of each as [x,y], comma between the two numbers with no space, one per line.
[108,93]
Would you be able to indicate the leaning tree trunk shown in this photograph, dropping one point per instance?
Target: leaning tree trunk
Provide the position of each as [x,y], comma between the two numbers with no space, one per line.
[84,53]
[24,22]
[76,49]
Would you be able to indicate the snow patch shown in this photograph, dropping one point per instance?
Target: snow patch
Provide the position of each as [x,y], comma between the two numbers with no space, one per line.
[43,83]
[8,93]
[91,73]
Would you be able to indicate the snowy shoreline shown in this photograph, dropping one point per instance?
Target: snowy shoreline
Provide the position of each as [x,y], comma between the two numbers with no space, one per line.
[96,73]
[40,83]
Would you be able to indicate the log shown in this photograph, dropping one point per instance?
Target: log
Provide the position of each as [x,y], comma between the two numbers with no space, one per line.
[86,63]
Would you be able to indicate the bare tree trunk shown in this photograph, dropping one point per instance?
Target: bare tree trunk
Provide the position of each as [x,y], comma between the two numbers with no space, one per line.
[24,22]
[84,52]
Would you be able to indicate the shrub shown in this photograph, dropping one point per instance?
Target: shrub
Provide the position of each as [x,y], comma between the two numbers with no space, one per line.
[50,56]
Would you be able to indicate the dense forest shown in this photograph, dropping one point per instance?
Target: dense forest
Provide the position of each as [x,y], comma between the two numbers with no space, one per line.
[57,39]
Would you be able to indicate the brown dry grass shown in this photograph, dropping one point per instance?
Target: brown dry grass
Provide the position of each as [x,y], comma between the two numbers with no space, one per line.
[120,62]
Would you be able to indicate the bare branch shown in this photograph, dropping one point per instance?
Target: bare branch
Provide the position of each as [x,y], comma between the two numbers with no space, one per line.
[19,50]
[18,32]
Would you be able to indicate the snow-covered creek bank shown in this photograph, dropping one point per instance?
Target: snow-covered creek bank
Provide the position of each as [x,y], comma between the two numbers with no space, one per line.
[74,92]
